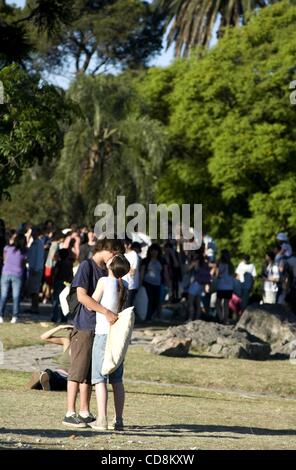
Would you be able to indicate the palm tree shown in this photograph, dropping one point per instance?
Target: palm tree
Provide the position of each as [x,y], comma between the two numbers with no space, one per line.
[191,22]
[109,150]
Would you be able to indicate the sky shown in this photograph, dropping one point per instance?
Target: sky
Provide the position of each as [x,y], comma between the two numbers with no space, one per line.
[161,60]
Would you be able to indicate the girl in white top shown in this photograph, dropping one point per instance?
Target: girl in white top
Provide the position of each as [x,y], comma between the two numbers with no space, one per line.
[110,293]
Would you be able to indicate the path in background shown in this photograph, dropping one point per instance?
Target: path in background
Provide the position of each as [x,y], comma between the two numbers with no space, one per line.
[40,357]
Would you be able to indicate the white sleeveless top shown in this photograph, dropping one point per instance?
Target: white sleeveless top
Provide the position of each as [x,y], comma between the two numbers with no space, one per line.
[109,300]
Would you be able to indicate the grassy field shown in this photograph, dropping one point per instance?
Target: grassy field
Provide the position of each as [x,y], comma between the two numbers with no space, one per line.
[157,417]
[272,377]
[22,334]
[171,403]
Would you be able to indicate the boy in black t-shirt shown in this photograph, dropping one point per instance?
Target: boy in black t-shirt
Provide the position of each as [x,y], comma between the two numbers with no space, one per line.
[85,281]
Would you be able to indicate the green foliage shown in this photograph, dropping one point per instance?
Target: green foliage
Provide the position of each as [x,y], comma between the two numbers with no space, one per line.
[16,25]
[30,123]
[110,151]
[232,131]
[90,34]
[121,33]
[34,199]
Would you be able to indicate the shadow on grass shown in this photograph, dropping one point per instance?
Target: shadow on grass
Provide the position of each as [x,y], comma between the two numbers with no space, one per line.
[161,430]
[202,356]
[178,395]
[201,428]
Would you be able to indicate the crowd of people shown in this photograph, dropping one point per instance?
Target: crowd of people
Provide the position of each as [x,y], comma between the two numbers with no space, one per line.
[107,274]
[36,262]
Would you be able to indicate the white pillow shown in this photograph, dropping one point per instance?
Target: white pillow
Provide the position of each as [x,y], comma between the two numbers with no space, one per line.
[118,339]
[63,300]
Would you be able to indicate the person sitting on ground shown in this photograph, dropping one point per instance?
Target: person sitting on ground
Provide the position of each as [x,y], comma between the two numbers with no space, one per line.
[54,380]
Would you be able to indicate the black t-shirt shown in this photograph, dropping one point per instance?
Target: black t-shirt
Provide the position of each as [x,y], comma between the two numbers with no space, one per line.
[87,277]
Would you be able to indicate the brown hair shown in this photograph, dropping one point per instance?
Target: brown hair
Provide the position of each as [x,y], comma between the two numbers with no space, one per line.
[113,245]
[120,267]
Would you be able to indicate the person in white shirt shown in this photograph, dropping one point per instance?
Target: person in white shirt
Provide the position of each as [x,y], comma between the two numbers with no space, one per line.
[271,277]
[246,274]
[143,239]
[111,294]
[133,276]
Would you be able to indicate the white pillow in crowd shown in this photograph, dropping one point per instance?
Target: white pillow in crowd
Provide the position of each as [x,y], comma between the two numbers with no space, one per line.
[63,300]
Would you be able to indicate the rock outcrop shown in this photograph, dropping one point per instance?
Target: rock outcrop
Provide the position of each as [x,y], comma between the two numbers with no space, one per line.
[273,324]
[211,338]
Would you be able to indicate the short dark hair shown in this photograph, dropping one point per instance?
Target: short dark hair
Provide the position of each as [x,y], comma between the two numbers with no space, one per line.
[128,241]
[113,245]
[136,246]
[246,258]
[271,254]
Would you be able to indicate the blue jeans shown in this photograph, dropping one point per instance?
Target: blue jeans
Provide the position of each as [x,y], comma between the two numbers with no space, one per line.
[15,282]
[98,352]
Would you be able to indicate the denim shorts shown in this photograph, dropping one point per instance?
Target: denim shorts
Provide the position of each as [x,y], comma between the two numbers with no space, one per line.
[97,363]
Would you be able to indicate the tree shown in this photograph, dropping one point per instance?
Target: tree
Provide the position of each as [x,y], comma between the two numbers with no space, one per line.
[84,35]
[47,16]
[31,123]
[191,22]
[109,151]
[98,38]
[34,199]
[232,131]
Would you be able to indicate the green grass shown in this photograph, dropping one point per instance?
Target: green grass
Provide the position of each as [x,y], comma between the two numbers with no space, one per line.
[275,377]
[156,416]
[171,403]
[22,334]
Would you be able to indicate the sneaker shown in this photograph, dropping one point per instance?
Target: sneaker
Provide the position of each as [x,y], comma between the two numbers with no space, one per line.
[73,421]
[117,424]
[89,419]
[14,320]
[101,424]
[1,320]
[44,380]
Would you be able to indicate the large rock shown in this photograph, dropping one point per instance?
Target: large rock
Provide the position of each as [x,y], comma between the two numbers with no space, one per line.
[218,340]
[240,345]
[170,346]
[273,324]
